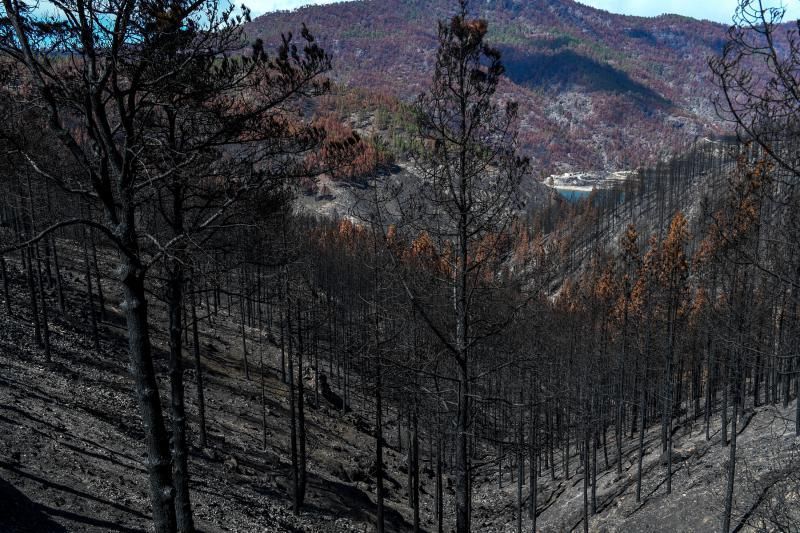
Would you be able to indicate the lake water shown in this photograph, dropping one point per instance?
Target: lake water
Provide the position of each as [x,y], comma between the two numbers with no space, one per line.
[572,195]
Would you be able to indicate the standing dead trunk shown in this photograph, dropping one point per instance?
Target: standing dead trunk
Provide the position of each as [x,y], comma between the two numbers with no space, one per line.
[724,409]
[90,297]
[594,446]
[180,467]
[586,479]
[642,411]
[293,419]
[520,464]
[462,458]
[198,368]
[379,525]
[709,389]
[59,283]
[174,267]
[98,280]
[439,487]
[301,417]
[410,462]
[45,317]
[158,463]
[534,467]
[6,290]
[284,378]
[27,259]
[376,333]
[243,331]
[415,465]
[726,517]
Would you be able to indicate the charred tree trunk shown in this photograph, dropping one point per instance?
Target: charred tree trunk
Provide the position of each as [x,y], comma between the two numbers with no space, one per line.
[243,332]
[6,290]
[198,366]
[293,420]
[98,281]
[180,466]
[45,317]
[415,465]
[158,463]
[379,525]
[59,282]
[301,417]
[90,298]
[726,517]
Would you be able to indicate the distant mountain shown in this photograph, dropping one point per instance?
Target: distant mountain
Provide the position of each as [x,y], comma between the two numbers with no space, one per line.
[598,91]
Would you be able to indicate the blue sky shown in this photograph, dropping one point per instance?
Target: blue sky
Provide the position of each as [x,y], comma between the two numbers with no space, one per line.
[719,10]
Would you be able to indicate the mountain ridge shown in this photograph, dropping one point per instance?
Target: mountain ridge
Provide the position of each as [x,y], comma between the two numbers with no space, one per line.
[598,91]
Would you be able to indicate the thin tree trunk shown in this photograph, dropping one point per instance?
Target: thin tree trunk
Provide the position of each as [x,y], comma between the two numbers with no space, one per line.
[642,411]
[594,445]
[45,317]
[98,281]
[709,397]
[586,480]
[415,464]
[293,421]
[90,297]
[410,462]
[520,465]
[37,332]
[724,412]
[533,470]
[439,487]
[379,525]
[180,466]
[243,333]
[301,416]
[6,290]
[59,283]
[726,517]
[198,365]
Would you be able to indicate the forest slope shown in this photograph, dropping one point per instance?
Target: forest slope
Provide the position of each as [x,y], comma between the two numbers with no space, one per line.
[71,457]
[768,452]
[71,452]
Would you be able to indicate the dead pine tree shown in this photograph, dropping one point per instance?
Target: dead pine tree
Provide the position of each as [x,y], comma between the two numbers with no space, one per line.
[468,180]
